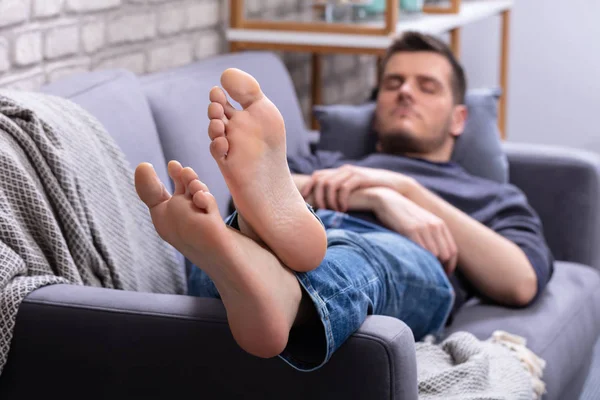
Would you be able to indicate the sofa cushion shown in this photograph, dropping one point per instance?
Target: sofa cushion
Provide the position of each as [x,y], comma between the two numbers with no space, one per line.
[116,99]
[179,102]
[561,327]
[347,128]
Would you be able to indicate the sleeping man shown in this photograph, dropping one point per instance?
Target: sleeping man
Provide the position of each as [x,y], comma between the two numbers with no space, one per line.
[297,283]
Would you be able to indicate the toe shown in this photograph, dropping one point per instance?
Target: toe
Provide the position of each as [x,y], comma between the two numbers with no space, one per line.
[216,128]
[205,201]
[149,187]
[175,169]
[241,86]
[197,186]
[217,95]
[219,148]
[216,111]
[187,176]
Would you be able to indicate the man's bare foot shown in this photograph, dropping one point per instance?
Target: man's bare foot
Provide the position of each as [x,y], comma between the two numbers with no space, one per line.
[261,296]
[249,146]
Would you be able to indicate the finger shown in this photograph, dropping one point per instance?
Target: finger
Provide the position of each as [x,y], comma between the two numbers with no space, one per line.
[347,188]
[319,194]
[334,183]
[453,250]
[307,188]
[443,246]
[315,177]
[415,237]
[430,243]
[452,264]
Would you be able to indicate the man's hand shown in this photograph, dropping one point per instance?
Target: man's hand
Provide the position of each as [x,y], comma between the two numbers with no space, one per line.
[331,188]
[421,226]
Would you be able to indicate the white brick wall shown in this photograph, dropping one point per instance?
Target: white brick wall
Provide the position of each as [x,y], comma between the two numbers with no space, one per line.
[61,41]
[61,69]
[4,60]
[171,20]
[45,40]
[28,48]
[13,11]
[131,28]
[170,56]
[46,8]
[207,44]
[91,5]
[202,14]
[135,62]
[93,36]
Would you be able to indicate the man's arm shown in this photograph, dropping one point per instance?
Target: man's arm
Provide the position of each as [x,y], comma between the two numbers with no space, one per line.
[398,214]
[496,266]
[360,200]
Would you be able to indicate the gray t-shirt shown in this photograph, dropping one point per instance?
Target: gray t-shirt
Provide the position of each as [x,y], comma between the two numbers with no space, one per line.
[501,207]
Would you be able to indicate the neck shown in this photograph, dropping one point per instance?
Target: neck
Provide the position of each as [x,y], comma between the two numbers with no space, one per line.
[441,155]
[438,157]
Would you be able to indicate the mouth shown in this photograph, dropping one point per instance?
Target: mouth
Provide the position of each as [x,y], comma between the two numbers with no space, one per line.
[404,111]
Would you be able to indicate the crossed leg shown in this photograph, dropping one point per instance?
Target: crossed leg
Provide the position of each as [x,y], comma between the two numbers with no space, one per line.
[260,292]
[249,146]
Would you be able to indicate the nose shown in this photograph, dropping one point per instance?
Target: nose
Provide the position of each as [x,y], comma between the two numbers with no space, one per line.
[407,87]
[406,90]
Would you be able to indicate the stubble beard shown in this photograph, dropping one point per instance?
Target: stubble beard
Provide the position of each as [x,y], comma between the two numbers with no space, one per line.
[402,141]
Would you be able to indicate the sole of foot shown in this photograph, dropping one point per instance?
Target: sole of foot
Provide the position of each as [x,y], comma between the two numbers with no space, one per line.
[260,294]
[249,146]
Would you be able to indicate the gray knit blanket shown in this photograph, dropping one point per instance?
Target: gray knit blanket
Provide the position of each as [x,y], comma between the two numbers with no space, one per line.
[69,212]
[465,368]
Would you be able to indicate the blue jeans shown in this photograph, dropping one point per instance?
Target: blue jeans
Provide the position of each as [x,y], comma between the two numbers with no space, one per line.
[367,270]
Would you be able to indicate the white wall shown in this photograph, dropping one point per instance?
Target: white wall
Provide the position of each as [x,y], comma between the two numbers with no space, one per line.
[45,40]
[554,85]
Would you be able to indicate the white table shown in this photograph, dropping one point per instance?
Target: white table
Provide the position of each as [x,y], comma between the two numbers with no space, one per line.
[304,40]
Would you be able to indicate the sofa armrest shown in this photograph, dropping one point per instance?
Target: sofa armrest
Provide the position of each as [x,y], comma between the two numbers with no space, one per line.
[71,340]
[563,186]
[313,137]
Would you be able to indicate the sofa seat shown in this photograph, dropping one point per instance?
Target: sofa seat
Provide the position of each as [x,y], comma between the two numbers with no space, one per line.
[561,327]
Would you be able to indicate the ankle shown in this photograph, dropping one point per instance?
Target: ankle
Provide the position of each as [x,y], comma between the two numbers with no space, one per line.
[247,230]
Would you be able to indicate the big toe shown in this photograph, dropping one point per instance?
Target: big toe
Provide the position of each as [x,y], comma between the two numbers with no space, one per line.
[149,187]
[241,86]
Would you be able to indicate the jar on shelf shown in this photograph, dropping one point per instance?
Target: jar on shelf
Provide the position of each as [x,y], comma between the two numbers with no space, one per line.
[408,6]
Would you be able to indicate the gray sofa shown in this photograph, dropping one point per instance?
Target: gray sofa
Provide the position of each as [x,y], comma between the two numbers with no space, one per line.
[73,342]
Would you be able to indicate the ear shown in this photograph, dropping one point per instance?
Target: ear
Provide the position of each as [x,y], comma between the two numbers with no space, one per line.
[459,119]
[374,132]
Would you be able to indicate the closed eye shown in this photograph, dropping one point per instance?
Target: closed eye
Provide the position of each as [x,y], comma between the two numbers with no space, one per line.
[429,85]
[392,83]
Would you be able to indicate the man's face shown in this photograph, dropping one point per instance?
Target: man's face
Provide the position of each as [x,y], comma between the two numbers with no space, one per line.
[415,107]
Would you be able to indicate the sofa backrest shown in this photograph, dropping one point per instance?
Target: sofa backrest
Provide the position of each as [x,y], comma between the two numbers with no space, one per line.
[116,99]
[179,102]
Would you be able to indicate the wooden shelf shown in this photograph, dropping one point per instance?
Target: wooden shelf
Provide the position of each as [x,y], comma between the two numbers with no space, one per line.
[452,8]
[428,23]
[368,38]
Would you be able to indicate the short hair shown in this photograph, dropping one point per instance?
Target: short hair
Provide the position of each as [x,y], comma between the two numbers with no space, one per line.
[420,42]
